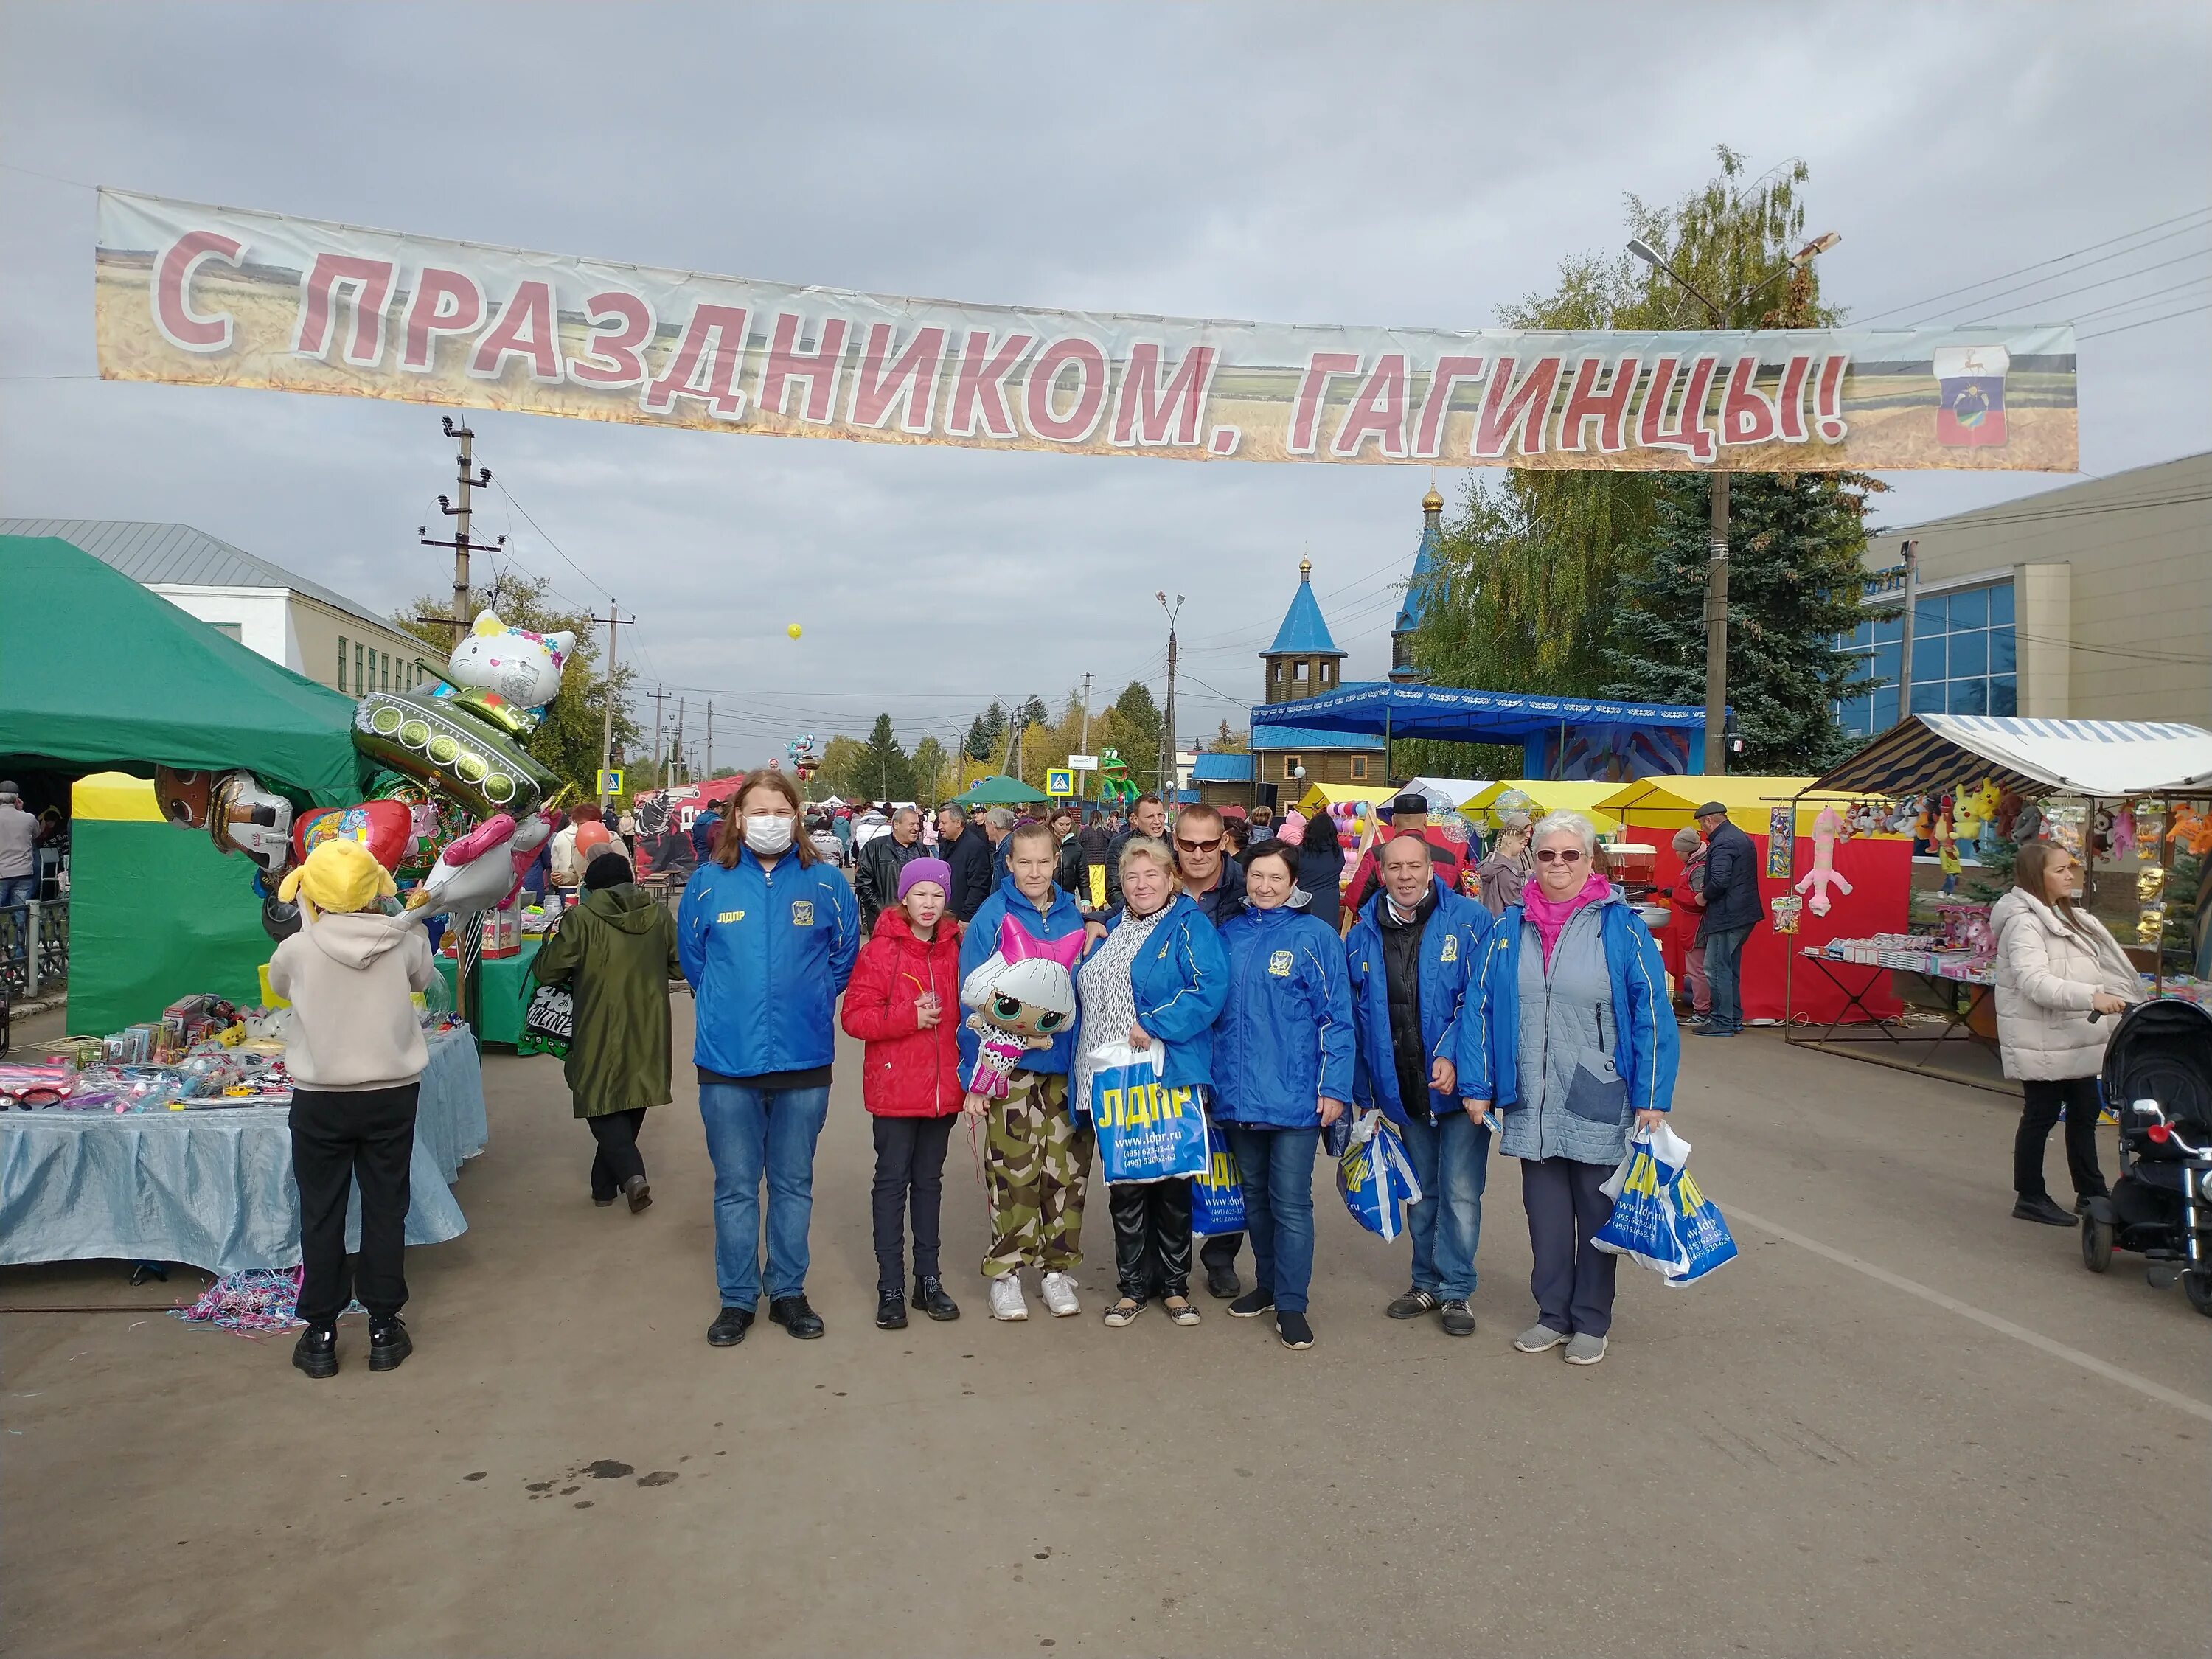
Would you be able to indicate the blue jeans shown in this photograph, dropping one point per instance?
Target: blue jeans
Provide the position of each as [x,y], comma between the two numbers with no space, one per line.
[16,891]
[751,1132]
[1277,1168]
[1723,969]
[1451,1160]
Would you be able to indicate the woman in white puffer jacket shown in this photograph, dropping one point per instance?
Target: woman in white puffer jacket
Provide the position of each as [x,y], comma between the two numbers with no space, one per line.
[2055,966]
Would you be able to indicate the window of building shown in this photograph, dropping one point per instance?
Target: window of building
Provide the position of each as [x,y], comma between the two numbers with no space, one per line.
[360,675]
[1963,658]
[1301,673]
[1359,769]
[342,679]
[1291,764]
[387,671]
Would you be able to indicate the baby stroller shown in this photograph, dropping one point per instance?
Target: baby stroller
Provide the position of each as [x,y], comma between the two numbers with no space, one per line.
[2158,1076]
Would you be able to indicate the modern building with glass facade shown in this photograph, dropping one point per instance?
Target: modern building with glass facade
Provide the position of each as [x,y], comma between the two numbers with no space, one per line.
[2089,602]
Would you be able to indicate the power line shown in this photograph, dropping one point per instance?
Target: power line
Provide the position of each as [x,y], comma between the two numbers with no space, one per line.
[2106,281]
[2186,312]
[2055,259]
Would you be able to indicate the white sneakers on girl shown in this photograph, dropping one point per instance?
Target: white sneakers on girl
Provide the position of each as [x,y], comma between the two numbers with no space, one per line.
[1059,1295]
[1006,1302]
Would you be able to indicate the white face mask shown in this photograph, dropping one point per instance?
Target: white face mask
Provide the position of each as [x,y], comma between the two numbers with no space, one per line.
[767,834]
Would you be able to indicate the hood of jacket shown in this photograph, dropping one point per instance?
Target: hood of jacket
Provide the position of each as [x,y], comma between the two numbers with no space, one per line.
[626,906]
[356,939]
[2018,905]
[896,926]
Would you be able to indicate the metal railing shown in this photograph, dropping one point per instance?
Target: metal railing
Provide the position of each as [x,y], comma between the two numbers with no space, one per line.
[33,946]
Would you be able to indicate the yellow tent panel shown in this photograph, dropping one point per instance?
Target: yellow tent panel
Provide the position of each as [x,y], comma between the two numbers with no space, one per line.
[1662,805]
[1323,796]
[114,798]
[1553,795]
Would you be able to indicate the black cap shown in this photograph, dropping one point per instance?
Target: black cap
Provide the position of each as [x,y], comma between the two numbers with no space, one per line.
[1409,802]
[1712,809]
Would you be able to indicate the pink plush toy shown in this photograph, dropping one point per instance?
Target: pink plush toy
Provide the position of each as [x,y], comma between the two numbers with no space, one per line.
[1827,830]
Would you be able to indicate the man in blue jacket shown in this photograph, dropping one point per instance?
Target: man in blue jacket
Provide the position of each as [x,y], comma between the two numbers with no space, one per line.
[1732,908]
[1410,954]
[1036,1154]
[768,942]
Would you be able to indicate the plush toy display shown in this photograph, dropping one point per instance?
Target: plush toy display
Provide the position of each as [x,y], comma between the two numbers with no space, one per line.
[1946,849]
[1023,996]
[2191,830]
[1827,830]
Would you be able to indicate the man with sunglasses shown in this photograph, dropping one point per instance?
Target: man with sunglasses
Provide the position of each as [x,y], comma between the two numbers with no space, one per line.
[1215,883]
[1732,908]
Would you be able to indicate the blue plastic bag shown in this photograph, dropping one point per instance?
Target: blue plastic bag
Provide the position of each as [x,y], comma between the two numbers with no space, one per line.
[1660,1217]
[1217,1198]
[1146,1130]
[1376,1177]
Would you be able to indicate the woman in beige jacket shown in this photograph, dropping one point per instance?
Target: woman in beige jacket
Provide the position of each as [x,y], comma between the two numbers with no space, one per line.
[2056,966]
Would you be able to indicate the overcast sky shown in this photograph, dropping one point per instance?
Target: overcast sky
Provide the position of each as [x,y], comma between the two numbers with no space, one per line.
[1392,164]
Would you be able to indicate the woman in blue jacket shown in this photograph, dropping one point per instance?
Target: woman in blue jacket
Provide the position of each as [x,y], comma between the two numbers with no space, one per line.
[1569,1034]
[1158,974]
[1282,1072]
[767,934]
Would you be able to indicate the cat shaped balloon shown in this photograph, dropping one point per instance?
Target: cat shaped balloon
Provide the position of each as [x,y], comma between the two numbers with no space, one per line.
[510,673]
[1023,997]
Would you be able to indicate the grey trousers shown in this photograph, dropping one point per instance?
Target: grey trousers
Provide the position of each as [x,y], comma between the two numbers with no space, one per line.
[1573,1280]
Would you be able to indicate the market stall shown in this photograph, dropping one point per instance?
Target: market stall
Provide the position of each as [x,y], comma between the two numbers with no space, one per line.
[504,987]
[1550,795]
[2116,793]
[1559,737]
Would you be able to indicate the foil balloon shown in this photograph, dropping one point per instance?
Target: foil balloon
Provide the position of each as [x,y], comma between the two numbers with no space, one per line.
[386,828]
[474,873]
[244,818]
[183,796]
[1512,801]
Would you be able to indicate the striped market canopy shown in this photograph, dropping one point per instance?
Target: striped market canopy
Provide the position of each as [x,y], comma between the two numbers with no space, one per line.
[2029,756]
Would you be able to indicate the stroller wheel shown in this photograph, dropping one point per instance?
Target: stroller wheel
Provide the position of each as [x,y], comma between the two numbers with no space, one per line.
[2197,1287]
[2096,1243]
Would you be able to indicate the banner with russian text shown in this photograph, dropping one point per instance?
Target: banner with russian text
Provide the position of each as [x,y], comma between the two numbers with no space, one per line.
[224,296]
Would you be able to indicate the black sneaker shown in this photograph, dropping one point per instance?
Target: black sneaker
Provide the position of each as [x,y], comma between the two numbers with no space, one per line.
[929,1296]
[1413,1304]
[795,1315]
[1457,1320]
[317,1350]
[1222,1283]
[1293,1330]
[1252,1303]
[2040,1208]
[388,1343]
[730,1327]
[891,1312]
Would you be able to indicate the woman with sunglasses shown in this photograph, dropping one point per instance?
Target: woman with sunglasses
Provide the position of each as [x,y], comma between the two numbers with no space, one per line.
[2060,976]
[1571,1038]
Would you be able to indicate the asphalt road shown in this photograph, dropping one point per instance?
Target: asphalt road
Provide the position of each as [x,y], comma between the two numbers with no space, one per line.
[1902,1423]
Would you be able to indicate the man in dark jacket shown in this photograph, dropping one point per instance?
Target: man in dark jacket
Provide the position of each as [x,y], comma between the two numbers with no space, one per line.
[1148,816]
[1215,883]
[963,848]
[702,832]
[1732,908]
[875,876]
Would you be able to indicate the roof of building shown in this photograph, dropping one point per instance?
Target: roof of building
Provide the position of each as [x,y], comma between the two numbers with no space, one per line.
[176,554]
[1273,738]
[1425,565]
[2179,482]
[1222,769]
[1304,632]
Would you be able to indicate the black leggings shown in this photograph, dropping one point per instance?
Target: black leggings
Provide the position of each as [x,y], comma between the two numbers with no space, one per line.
[1152,1238]
[617,1159]
[2078,1094]
[909,1176]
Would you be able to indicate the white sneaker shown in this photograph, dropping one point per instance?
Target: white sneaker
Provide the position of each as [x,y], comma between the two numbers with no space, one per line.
[1059,1295]
[1006,1302]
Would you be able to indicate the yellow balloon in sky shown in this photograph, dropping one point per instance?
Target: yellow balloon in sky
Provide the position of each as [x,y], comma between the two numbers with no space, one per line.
[794,631]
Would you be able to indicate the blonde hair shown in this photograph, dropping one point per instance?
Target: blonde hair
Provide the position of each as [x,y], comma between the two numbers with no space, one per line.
[1152,847]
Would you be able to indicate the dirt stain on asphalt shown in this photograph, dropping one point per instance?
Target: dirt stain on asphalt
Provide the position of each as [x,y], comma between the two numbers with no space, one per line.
[658,1478]
[607,1469]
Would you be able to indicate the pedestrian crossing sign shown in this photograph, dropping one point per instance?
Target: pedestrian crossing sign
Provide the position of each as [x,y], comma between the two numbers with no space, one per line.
[1058,781]
[611,780]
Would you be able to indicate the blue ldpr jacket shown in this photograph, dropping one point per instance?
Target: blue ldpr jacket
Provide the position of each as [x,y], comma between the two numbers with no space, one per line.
[767,953]
[981,943]
[1285,1037]
[1452,941]
[1650,1046]
[1181,980]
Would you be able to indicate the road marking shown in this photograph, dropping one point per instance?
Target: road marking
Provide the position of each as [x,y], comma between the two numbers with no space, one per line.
[2036,1339]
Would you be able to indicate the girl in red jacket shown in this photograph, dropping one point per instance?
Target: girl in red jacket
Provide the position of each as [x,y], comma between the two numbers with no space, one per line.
[904,1004]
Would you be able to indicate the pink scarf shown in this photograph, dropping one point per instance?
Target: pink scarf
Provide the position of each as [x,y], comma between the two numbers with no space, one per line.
[1551,916]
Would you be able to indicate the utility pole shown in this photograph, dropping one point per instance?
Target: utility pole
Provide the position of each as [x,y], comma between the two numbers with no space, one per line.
[1086,713]
[613,620]
[707,770]
[465,480]
[683,760]
[1910,551]
[1168,726]
[660,757]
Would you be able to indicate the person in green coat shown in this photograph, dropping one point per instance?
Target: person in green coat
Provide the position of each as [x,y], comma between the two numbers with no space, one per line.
[615,950]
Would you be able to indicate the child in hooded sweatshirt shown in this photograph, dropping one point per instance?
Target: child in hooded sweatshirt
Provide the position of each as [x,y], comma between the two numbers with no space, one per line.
[904,1004]
[356,1055]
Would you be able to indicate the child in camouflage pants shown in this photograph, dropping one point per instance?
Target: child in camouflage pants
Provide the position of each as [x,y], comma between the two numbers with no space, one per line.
[1037,1163]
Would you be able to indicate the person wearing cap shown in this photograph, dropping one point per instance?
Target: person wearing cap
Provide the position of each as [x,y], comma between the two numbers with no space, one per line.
[903,1004]
[355,1052]
[1506,870]
[19,837]
[1732,908]
[1408,811]
[615,951]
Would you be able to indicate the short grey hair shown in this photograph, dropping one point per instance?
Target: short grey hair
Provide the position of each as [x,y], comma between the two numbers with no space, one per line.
[1000,817]
[1572,823]
[914,812]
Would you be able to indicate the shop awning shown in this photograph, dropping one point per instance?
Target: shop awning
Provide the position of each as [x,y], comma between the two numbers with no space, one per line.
[1586,796]
[2029,756]
[97,671]
[1664,805]
[1565,737]
[998,790]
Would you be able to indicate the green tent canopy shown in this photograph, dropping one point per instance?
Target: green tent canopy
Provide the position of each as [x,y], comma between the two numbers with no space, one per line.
[96,671]
[999,790]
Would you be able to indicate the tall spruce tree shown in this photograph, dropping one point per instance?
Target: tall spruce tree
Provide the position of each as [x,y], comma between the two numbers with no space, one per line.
[883,772]
[978,741]
[1796,544]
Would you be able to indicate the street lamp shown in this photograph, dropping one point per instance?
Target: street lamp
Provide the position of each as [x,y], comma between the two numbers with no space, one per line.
[1716,559]
[1167,730]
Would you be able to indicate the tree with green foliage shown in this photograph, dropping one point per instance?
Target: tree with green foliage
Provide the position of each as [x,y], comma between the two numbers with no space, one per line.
[1796,545]
[567,743]
[883,771]
[933,772]
[1034,713]
[842,758]
[977,746]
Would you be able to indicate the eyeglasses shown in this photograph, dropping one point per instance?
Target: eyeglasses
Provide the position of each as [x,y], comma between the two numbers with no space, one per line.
[1559,855]
[1198,845]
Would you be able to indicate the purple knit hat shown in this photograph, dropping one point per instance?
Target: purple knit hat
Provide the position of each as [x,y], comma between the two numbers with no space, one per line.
[916,870]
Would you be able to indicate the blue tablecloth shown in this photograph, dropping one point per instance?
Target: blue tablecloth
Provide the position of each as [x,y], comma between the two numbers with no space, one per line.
[212,1188]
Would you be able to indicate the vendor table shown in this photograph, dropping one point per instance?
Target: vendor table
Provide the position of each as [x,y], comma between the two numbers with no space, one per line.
[212,1188]
[506,985]
[1858,980]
